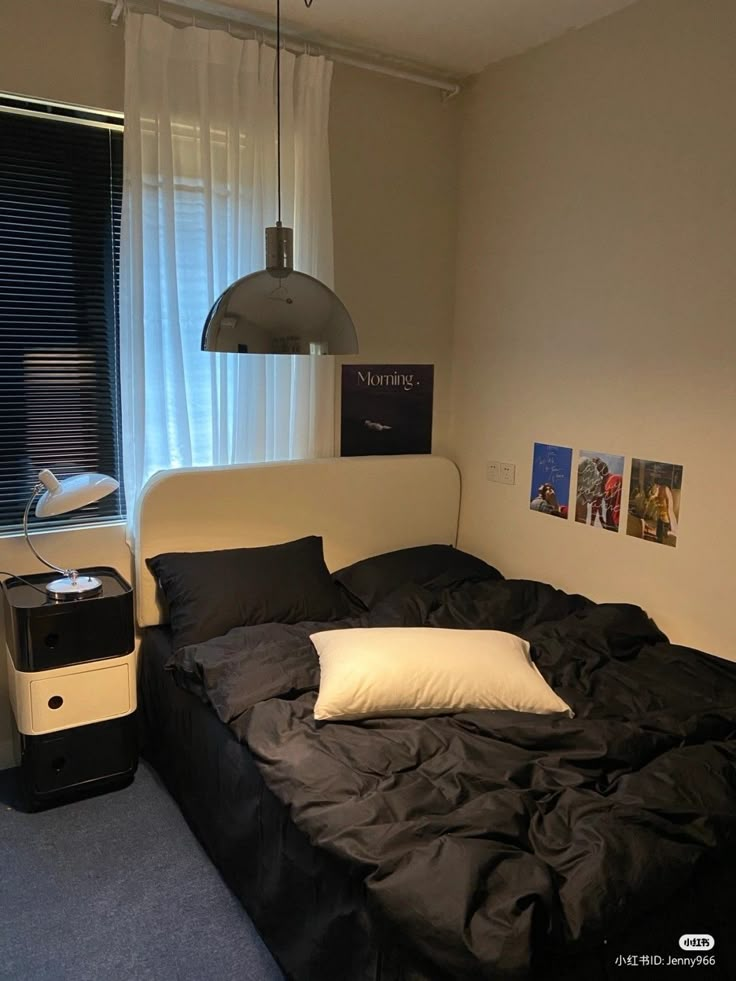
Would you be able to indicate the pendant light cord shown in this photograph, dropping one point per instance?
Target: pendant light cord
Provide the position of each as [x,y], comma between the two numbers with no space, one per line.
[278,101]
[307,4]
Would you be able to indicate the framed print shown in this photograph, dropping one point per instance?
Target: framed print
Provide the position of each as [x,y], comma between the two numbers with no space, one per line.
[386,409]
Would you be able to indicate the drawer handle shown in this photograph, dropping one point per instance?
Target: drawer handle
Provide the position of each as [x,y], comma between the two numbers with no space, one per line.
[58,764]
[55,702]
[51,640]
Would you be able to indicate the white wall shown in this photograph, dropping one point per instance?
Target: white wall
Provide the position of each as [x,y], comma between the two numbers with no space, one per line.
[64,50]
[596,290]
[394,150]
[393,147]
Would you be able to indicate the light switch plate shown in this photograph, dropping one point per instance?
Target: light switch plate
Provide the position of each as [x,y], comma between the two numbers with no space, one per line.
[508,473]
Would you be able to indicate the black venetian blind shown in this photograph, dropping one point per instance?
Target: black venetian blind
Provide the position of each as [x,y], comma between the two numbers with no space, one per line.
[60,201]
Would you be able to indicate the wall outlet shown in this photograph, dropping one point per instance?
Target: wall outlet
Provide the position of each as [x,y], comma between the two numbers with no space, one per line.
[493,471]
[508,473]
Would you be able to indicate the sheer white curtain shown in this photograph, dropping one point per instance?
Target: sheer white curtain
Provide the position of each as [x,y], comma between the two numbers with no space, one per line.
[199,189]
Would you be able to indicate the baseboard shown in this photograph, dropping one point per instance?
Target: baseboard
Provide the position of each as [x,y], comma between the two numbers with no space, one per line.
[7,754]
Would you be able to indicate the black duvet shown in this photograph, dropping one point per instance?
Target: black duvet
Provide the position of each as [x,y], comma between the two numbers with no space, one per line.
[487,839]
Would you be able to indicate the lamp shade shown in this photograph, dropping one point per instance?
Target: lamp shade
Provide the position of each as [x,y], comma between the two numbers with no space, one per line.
[291,314]
[279,310]
[72,493]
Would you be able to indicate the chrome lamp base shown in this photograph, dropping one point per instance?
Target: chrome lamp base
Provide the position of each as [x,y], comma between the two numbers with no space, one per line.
[73,587]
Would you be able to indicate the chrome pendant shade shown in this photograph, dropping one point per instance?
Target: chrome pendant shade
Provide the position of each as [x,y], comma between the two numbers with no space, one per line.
[279,310]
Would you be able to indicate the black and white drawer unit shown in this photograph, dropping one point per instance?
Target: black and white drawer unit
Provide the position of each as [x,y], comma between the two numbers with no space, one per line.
[72,684]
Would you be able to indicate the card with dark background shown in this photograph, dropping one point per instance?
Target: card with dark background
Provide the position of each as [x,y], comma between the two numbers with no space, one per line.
[386,409]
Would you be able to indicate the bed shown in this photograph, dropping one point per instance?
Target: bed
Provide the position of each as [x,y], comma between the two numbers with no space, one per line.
[478,844]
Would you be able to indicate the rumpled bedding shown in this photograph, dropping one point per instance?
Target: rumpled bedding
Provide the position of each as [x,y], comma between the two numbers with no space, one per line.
[488,838]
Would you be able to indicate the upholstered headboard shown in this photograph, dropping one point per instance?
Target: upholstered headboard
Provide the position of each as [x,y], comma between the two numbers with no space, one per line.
[360,506]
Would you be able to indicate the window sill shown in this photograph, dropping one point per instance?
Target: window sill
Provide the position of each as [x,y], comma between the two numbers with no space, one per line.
[62,529]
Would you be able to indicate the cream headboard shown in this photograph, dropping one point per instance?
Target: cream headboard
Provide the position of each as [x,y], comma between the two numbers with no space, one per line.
[360,506]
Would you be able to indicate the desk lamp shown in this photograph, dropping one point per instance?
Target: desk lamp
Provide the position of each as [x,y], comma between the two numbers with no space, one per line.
[58,497]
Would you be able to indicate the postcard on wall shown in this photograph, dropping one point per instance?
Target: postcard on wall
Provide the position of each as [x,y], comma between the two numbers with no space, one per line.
[386,409]
[551,468]
[654,501]
[599,488]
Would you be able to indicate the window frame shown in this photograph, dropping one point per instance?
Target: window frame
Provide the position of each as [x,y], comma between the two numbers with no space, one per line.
[111,121]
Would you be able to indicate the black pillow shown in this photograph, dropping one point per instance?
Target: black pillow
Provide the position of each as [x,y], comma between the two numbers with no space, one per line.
[438,566]
[209,593]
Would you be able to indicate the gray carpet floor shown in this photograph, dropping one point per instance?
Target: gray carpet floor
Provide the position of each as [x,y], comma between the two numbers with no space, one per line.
[117,888]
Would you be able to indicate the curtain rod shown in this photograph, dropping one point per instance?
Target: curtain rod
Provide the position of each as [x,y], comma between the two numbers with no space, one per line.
[205,12]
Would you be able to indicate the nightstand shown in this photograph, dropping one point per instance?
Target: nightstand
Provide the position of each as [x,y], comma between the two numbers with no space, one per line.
[72,685]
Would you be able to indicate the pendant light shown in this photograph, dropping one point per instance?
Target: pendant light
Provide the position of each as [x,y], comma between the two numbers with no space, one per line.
[279,310]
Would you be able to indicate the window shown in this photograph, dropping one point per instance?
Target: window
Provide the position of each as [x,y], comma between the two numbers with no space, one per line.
[60,204]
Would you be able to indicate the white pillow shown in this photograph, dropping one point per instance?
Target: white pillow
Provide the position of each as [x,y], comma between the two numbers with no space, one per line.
[382,671]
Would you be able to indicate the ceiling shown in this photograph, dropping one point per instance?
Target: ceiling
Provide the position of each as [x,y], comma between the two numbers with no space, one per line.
[455,37]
